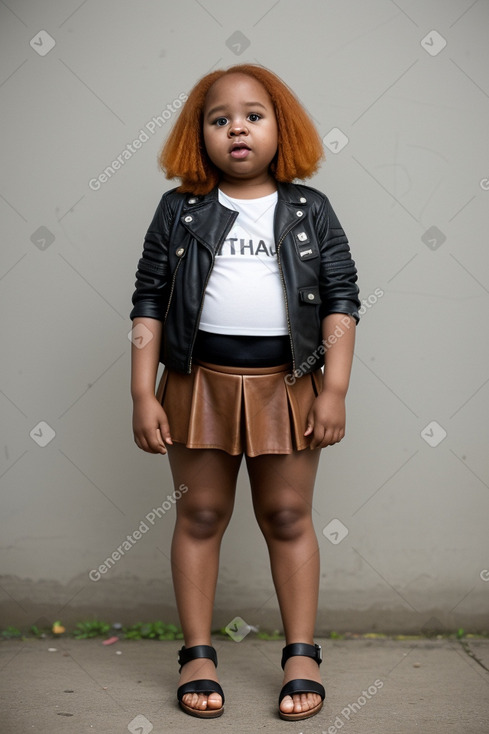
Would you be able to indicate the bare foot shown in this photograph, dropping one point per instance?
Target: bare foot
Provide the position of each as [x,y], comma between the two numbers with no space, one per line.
[195,670]
[300,666]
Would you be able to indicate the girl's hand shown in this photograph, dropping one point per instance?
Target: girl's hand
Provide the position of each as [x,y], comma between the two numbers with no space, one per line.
[150,425]
[326,419]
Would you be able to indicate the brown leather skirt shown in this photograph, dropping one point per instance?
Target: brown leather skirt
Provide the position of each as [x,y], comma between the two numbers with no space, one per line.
[239,409]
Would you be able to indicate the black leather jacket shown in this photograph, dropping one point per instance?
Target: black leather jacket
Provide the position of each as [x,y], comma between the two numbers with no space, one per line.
[317,272]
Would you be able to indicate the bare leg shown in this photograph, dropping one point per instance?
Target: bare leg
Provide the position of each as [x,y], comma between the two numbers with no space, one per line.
[282,489]
[203,513]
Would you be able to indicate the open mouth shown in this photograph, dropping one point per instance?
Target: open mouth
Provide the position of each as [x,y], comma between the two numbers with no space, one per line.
[240,150]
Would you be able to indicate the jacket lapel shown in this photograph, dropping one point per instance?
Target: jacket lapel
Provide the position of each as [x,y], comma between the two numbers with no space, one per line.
[288,204]
[208,221]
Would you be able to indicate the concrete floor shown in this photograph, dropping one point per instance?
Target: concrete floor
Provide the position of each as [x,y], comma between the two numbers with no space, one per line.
[372,687]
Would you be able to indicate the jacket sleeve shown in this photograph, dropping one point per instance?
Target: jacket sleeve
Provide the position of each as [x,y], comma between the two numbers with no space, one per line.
[338,275]
[152,276]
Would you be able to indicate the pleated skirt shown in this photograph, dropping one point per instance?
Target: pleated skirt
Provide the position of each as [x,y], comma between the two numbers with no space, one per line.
[239,410]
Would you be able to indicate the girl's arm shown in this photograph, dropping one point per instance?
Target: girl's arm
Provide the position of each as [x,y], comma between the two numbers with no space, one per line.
[150,424]
[327,418]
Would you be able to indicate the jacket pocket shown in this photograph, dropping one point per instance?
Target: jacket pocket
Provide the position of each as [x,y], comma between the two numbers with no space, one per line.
[310,295]
[306,248]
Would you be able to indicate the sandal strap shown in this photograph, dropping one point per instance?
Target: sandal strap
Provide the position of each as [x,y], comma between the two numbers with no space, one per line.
[186,654]
[301,685]
[200,686]
[302,648]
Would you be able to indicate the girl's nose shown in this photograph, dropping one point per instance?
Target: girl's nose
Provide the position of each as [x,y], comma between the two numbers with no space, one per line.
[237,128]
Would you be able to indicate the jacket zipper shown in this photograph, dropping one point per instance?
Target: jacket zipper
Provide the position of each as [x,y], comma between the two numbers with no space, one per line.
[198,317]
[172,288]
[285,296]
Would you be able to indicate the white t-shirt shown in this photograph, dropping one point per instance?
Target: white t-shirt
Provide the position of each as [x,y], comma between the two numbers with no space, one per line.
[244,294]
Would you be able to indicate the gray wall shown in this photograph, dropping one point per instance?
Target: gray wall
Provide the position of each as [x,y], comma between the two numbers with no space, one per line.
[411,188]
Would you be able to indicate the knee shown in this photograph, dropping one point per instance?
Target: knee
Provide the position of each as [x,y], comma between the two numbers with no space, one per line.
[203,523]
[285,524]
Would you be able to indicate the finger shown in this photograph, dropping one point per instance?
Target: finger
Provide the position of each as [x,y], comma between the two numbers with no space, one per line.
[309,423]
[318,437]
[338,434]
[149,447]
[327,438]
[149,443]
[142,444]
[164,429]
[159,444]
[332,436]
[337,437]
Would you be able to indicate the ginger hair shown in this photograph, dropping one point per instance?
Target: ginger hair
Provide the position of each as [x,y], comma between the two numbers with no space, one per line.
[184,156]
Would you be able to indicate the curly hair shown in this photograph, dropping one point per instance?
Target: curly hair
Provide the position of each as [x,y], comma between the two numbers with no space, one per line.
[184,156]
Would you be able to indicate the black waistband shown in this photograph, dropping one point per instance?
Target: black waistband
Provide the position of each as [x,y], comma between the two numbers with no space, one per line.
[236,350]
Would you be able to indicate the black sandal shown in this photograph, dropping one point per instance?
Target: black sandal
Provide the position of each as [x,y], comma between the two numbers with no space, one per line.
[185,654]
[301,685]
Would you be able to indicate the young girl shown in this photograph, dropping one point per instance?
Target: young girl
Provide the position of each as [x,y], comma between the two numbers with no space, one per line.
[245,286]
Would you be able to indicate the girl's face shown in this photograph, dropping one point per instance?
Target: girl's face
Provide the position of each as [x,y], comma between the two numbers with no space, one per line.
[240,129]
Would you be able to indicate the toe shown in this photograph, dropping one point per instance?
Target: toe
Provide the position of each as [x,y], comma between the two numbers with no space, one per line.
[314,700]
[309,701]
[190,699]
[214,701]
[287,705]
[201,702]
[301,702]
[195,701]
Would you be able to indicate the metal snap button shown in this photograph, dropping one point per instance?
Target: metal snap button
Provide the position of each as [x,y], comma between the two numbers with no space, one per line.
[302,200]
[180,251]
[299,213]
[310,296]
[188,219]
[191,201]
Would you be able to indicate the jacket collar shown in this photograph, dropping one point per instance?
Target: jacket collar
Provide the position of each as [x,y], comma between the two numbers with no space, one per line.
[288,192]
[211,231]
